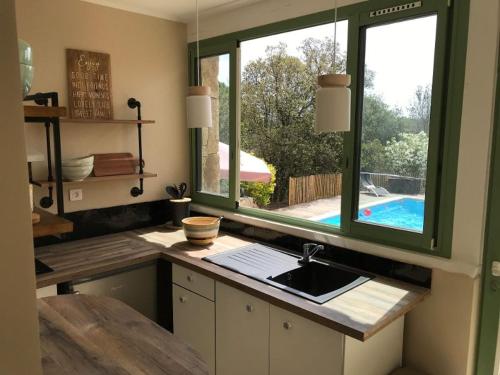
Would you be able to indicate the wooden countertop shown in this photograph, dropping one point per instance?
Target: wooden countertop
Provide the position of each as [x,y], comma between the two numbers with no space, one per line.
[359,313]
[87,335]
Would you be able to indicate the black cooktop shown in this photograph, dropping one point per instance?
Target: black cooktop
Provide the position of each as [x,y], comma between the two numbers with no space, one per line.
[41,268]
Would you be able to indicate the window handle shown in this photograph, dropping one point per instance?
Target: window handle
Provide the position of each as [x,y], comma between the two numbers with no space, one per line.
[495,269]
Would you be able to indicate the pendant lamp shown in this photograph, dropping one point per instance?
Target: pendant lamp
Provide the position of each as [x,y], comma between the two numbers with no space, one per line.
[333,97]
[198,101]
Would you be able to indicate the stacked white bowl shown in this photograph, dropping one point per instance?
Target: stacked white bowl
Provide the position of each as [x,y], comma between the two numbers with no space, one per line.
[77,169]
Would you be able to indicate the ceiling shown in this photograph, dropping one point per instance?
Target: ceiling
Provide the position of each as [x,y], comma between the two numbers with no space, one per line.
[176,10]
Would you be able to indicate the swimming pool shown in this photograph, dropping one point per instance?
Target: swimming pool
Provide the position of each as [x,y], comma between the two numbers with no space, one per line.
[405,213]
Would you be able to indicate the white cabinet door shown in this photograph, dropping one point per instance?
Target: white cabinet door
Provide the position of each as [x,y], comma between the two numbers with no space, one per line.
[299,346]
[136,288]
[194,323]
[242,333]
[379,355]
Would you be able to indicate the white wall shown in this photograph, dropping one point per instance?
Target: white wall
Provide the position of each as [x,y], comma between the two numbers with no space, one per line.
[19,341]
[258,14]
[476,130]
[148,62]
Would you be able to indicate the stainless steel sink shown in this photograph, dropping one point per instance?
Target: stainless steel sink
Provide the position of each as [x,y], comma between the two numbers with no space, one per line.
[316,281]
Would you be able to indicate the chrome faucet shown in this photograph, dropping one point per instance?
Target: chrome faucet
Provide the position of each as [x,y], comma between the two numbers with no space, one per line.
[309,249]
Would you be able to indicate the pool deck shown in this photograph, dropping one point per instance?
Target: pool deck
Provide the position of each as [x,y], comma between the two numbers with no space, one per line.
[322,208]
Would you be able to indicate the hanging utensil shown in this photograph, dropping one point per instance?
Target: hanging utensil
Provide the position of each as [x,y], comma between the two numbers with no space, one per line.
[182,189]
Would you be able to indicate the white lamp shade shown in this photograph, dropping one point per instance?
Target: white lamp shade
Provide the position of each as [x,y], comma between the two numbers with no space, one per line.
[333,109]
[199,111]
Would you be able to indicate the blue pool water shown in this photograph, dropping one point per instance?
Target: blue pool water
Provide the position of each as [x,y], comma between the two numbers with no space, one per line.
[405,213]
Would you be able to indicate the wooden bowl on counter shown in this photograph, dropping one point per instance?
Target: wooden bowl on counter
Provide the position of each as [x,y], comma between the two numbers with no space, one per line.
[201,230]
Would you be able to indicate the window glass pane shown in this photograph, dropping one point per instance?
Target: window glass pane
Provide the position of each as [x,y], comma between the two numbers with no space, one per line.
[284,166]
[399,62]
[215,140]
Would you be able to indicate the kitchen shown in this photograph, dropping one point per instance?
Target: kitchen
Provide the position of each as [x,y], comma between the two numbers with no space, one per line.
[149,61]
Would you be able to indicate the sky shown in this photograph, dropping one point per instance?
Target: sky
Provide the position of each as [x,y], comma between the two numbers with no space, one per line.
[401,54]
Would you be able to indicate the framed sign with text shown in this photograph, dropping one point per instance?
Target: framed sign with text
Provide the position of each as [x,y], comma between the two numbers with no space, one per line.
[89,85]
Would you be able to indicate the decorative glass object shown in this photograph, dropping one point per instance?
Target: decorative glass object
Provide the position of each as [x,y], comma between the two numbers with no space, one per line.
[26,66]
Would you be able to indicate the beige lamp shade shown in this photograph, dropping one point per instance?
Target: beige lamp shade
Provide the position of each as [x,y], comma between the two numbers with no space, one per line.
[199,107]
[333,103]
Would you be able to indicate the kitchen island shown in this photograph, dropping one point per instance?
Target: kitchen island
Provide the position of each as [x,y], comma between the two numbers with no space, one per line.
[88,335]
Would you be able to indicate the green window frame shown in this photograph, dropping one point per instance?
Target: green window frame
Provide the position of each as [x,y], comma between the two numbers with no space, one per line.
[426,239]
[198,196]
[448,81]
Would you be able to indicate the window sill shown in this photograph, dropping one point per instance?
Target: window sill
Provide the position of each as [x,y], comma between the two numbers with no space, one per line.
[448,265]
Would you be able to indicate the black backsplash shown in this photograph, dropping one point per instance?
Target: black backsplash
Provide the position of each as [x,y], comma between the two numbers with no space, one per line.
[417,275]
[102,221]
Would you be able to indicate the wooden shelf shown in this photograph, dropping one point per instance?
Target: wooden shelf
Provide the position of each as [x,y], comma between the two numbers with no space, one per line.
[126,122]
[135,176]
[31,111]
[50,224]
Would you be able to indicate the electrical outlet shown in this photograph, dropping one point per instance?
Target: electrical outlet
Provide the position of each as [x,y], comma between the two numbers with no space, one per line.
[75,195]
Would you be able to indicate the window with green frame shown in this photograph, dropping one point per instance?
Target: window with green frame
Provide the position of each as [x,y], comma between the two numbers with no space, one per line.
[390,179]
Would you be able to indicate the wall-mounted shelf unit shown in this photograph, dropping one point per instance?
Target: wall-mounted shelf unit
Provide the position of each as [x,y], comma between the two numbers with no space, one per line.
[125,122]
[135,176]
[47,112]
[50,224]
[136,190]
[51,115]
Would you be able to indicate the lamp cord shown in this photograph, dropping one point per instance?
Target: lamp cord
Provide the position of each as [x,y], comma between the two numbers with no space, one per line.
[198,65]
[335,38]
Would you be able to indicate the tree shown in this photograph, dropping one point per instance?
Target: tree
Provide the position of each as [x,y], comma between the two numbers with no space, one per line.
[373,156]
[408,156]
[223,112]
[277,115]
[380,121]
[420,108]
[277,112]
[261,192]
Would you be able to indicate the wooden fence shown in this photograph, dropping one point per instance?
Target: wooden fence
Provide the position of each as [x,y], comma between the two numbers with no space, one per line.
[379,179]
[310,188]
[382,180]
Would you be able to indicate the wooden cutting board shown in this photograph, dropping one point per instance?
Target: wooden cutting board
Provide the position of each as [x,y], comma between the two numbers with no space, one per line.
[113,164]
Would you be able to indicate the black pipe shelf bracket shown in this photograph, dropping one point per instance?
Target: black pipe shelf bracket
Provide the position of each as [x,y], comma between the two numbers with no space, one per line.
[42,99]
[137,191]
[53,144]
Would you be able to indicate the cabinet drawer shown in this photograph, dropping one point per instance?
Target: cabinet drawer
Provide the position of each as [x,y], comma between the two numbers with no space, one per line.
[193,281]
[194,323]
